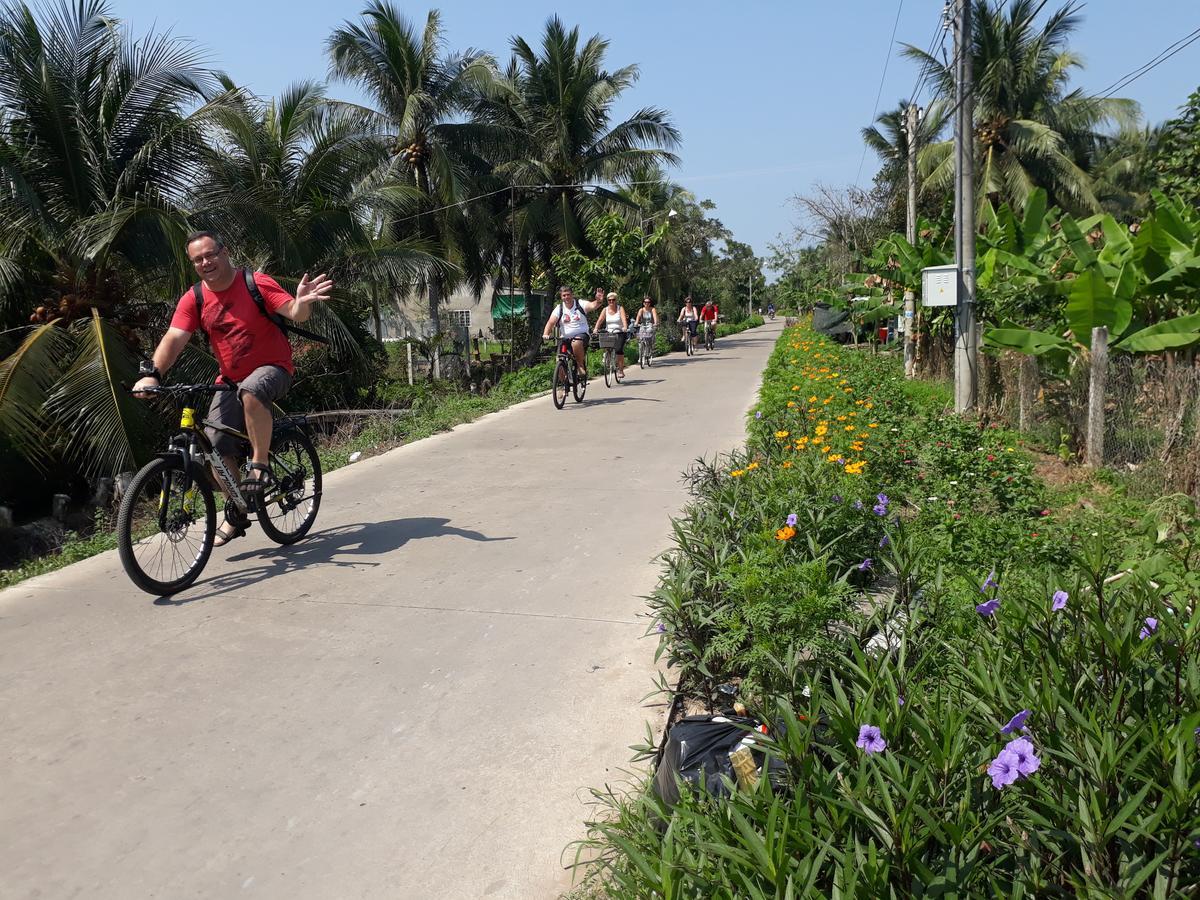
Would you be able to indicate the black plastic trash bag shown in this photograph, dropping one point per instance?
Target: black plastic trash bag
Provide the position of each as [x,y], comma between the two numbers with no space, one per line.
[830,321]
[697,751]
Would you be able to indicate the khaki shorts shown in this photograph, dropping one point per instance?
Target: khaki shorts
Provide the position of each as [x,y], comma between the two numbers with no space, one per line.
[268,383]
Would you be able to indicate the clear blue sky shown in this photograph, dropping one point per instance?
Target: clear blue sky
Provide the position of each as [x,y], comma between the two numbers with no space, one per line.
[769,96]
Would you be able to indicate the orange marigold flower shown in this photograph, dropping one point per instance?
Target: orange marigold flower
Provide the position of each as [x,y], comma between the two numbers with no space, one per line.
[786,464]
[752,467]
[737,473]
[786,533]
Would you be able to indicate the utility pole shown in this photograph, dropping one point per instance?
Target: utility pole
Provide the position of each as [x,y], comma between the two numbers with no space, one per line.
[750,281]
[910,232]
[965,361]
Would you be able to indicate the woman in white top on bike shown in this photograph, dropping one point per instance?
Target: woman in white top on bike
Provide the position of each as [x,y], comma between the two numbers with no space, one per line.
[690,319]
[571,318]
[614,321]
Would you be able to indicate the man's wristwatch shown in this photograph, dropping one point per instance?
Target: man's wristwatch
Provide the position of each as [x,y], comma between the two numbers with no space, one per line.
[146,369]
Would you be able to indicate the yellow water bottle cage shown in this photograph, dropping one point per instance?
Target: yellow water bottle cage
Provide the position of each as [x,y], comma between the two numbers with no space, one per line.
[188,419]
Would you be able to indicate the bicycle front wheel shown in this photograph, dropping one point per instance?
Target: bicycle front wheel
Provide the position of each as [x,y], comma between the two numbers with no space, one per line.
[166,526]
[579,388]
[609,368]
[289,505]
[560,384]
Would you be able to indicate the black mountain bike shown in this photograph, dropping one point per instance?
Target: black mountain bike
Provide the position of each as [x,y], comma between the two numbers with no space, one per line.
[710,335]
[167,521]
[566,377]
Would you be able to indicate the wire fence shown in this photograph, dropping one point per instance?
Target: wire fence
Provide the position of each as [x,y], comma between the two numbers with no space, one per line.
[1151,412]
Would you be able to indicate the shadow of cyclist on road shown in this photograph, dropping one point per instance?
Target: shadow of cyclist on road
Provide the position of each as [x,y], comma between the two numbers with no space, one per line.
[349,546]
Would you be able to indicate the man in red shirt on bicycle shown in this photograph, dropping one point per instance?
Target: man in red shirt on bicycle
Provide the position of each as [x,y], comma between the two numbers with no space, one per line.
[708,315]
[252,352]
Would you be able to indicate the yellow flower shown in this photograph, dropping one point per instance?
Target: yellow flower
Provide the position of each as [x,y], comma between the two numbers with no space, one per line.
[873,425]
[801,441]
[855,468]
[825,449]
[786,464]
[849,427]
[841,418]
[812,399]
[821,430]
[752,467]
[791,404]
[782,434]
[737,473]
[856,446]
[786,533]
[833,457]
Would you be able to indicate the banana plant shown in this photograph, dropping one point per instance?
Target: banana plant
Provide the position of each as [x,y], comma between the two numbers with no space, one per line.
[1105,277]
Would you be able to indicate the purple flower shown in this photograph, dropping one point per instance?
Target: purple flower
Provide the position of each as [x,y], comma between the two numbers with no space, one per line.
[989,582]
[1027,760]
[881,508]
[883,499]
[758,415]
[661,628]
[870,740]
[791,519]
[865,564]
[1004,769]
[988,607]
[900,697]
[1017,722]
[1149,628]
[884,541]
[1059,600]
[858,504]
[836,498]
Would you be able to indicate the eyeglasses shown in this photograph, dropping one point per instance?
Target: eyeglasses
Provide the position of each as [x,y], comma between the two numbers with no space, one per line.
[207,257]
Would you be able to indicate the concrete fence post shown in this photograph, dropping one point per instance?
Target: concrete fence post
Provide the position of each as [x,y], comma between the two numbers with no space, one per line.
[1096,385]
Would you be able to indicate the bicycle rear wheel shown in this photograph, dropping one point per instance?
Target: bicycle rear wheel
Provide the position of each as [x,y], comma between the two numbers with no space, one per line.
[166,526]
[289,505]
[560,384]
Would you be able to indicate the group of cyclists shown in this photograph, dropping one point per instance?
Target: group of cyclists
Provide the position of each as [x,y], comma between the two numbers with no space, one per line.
[570,318]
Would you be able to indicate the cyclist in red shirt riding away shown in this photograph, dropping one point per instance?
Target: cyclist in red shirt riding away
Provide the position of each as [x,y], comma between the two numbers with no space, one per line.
[709,314]
[252,353]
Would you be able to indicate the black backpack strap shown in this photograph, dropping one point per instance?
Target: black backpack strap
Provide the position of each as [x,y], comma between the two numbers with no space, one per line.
[284,326]
[198,293]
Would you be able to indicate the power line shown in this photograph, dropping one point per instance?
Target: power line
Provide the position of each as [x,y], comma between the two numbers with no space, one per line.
[879,93]
[927,65]
[1128,79]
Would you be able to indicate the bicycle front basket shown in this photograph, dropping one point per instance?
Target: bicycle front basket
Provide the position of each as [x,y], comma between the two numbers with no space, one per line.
[609,340]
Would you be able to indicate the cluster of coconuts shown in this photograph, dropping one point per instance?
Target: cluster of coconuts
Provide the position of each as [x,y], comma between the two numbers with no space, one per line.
[414,153]
[69,306]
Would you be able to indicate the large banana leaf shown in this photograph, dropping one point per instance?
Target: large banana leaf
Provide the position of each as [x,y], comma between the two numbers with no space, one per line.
[1092,303]
[26,378]
[108,429]
[1182,331]
[1029,342]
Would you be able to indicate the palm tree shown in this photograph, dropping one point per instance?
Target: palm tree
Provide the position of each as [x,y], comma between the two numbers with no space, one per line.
[419,95]
[97,151]
[1030,130]
[553,106]
[889,137]
[290,182]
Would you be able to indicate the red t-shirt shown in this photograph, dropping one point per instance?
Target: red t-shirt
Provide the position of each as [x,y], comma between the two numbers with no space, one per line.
[242,337]
[708,313]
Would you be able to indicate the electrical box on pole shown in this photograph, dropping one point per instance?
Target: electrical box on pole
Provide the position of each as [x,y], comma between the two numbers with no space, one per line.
[939,286]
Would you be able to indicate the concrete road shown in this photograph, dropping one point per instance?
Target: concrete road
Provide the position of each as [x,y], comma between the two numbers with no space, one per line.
[410,703]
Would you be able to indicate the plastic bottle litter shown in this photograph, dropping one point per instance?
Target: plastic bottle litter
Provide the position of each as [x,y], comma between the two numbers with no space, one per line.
[355,456]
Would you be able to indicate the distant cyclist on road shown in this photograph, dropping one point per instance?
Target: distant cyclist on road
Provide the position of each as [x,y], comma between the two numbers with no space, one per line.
[770,310]
[709,313]
[570,317]
[613,320]
[690,319]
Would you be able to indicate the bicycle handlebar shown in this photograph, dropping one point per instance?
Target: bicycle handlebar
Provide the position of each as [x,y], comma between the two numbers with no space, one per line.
[169,389]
